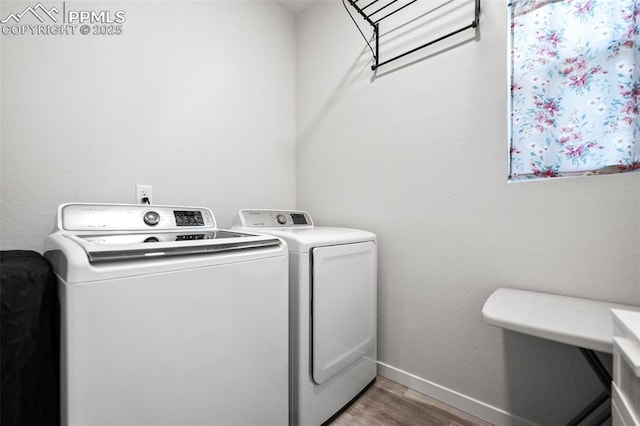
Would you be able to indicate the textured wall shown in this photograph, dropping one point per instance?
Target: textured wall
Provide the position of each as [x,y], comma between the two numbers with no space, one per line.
[195,98]
[417,154]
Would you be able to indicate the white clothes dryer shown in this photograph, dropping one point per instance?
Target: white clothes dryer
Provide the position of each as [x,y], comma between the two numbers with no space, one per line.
[167,319]
[333,310]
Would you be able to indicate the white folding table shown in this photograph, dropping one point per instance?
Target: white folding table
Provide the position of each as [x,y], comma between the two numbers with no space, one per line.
[586,324]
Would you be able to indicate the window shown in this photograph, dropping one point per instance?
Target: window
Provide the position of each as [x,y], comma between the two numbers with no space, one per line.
[575,69]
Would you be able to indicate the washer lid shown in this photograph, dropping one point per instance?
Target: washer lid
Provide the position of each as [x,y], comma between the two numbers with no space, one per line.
[112,247]
[109,232]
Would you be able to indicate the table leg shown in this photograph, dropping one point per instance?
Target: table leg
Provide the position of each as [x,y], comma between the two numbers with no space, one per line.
[598,368]
[603,416]
[593,405]
[605,380]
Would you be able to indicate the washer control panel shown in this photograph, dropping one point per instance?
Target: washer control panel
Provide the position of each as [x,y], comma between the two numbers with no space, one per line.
[275,218]
[132,217]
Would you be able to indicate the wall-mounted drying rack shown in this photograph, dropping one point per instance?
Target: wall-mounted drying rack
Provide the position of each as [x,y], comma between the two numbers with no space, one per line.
[382,11]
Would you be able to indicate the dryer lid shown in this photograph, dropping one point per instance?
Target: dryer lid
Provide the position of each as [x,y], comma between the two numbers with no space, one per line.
[304,240]
[297,228]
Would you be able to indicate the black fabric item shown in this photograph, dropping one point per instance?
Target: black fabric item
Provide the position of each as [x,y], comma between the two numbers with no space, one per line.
[30,340]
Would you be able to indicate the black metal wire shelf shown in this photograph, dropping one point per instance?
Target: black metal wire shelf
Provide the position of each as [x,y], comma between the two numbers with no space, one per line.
[383,11]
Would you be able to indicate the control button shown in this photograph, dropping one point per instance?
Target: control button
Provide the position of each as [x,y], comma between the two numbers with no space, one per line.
[299,219]
[282,219]
[151,218]
[151,240]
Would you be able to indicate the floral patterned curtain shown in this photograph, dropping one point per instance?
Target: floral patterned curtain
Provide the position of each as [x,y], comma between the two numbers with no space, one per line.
[575,69]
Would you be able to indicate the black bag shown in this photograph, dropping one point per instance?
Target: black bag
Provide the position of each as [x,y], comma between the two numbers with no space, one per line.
[30,340]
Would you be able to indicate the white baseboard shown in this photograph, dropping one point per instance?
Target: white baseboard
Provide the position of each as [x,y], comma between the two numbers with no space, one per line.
[462,402]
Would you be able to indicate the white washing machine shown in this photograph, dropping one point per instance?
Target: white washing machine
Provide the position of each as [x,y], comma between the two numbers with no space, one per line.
[168,320]
[333,306]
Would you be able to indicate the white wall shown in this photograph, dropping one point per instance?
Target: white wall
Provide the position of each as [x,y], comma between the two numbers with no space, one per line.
[195,98]
[417,154]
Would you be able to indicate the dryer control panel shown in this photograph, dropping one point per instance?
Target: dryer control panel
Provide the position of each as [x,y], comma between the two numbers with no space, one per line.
[275,218]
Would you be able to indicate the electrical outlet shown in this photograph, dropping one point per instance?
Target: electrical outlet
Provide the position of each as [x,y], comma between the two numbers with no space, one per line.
[143,194]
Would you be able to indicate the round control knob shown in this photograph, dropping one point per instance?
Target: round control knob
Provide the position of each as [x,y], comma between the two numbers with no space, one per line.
[151,240]
[282,219]
[151,218]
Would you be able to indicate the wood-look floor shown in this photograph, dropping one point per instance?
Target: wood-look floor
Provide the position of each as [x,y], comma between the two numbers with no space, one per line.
[387,403]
